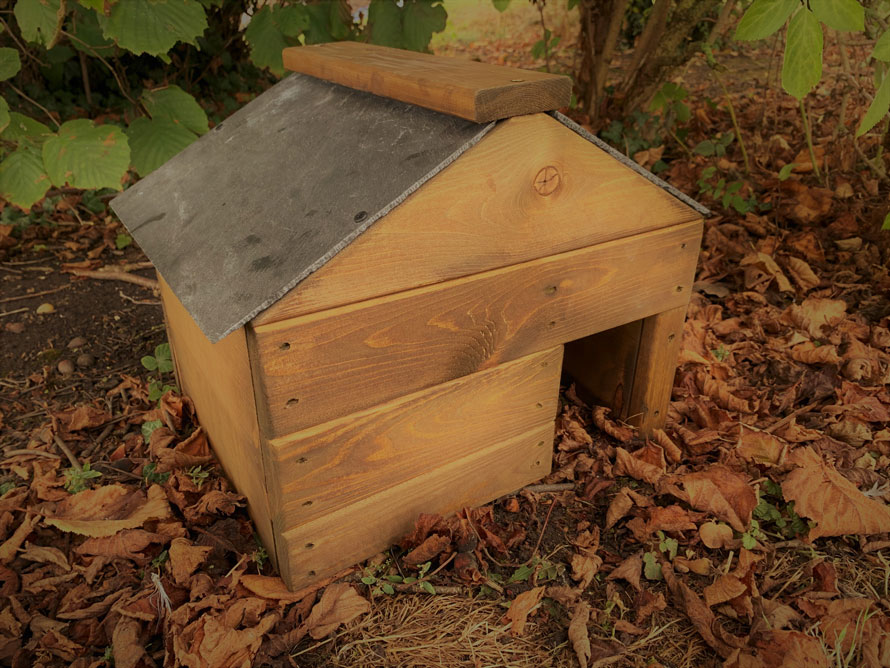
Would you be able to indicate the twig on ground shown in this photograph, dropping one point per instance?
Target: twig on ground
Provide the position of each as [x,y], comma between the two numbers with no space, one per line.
[543,529]
[149,283]
[793,414]
[18,310]
[33,294]
[65,449]
[28,451]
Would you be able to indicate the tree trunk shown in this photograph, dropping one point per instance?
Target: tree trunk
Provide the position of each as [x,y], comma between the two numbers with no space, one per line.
[674,49]
[600,27]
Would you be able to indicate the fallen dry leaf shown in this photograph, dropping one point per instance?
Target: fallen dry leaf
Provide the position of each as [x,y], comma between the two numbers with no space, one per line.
[429,549]
[11,545]
[802,274]
[837,506]
[627,464]
[108,509]
[816,316]
[629,570]
[185,559]
[578,635]
[126,643]
[45,554]
[715,535]
[761,447]
[585,568]
[270,587]
[340,604]
[519,610]
[724,493]
[724,588]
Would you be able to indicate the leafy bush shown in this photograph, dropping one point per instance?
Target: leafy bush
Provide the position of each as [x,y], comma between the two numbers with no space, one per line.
[143,63]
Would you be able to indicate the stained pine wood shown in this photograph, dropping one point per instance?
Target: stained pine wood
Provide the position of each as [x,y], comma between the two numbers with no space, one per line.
[217,377]
[476,91]
[325,365]
[655,368]
[531,188]
[340,462]
[341,538]
[603,365]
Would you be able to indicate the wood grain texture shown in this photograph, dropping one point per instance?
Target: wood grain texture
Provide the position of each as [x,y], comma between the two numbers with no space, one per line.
[325,365]
[340,462]
[217,377]
[488,210]
[656,365]
[603,365]
[476,91]
[358,531]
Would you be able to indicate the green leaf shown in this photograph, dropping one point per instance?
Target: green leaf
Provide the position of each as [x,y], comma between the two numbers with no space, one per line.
[148,428]
[175,104]
[164,357]
[149,362]
[785,172]
[40,20]
[886,224]
[843,15]
[369,580]
[291,20]
[748,541]
[4,114]
[882,48]
[427,587]
[385,23]
[22,127]
[877,109]
[98,5]
[763,18]
[87,33]
[388,589]
[266,40]
[651,567]
[802,68]
[87,156]
[122,240]
[421,19]
[154,26]
[705,148]
[500,5]
[23,180]
[10,64]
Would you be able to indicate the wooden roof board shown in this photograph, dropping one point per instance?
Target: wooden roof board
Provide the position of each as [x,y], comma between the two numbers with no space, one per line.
[248,211]
[476,91]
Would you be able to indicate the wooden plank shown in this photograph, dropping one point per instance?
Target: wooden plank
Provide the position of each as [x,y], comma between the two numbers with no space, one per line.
[325,365]
[340,462]
[655,369]
[217,378]
[476,91]
[344,537]
[603,365]
[492,208]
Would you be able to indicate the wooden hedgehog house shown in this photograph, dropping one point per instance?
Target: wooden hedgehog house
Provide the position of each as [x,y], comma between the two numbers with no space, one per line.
[369,275]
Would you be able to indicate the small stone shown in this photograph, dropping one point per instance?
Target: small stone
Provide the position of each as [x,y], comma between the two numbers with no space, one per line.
[65,367]
[85,360]
[46,308]
[15,327]
[77,342]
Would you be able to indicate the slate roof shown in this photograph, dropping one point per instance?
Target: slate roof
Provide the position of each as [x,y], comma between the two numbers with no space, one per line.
[272,193]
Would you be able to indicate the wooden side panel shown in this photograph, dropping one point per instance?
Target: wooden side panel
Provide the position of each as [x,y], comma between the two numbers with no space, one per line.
[603,365]
[531,188]
[346,536]
[329,364]
[476,91]
[217,378]
[655,368]
[340,462]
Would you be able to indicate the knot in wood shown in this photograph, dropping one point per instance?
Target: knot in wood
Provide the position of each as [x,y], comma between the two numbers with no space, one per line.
[547,180]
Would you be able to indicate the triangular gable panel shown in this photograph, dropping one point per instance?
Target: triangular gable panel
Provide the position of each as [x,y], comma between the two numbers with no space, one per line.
[535,186]
[241,216]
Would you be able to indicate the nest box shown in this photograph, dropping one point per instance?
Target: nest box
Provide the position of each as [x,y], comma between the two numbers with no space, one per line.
[370,274]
